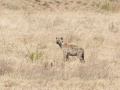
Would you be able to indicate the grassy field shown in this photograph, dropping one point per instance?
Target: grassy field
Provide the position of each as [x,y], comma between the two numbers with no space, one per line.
[28,30]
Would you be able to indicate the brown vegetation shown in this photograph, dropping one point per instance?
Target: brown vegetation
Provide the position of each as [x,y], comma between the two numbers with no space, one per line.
[27,44]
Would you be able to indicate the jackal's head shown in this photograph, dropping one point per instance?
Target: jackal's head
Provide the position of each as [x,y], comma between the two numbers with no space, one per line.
[59,40]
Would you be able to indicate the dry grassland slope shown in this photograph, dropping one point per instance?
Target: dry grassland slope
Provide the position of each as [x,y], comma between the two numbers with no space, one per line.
[28,29]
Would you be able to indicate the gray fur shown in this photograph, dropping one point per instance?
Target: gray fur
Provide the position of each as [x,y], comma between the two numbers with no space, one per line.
[70,50]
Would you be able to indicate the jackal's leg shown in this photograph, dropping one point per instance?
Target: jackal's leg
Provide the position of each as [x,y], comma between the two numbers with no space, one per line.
[81,57]
[65,55]
[66,58]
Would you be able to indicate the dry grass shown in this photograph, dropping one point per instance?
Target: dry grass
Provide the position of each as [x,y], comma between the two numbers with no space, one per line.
[27,46]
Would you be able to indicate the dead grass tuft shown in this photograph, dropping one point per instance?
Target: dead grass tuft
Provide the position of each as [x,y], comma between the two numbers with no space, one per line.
[6,67]
[30,58]
[97,70]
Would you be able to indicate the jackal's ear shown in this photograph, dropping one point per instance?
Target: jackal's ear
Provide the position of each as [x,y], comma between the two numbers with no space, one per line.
[62,38]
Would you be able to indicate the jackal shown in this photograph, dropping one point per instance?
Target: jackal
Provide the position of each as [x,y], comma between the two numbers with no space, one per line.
[70,50]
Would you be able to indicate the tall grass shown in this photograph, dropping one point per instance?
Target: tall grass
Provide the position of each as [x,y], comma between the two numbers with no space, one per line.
[30,35]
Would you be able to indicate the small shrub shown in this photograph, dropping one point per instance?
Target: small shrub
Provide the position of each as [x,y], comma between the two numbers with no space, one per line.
[33,56]
[98,4]
[105,6]
[99,38]
[93,4]
[111,26]
[97,41]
